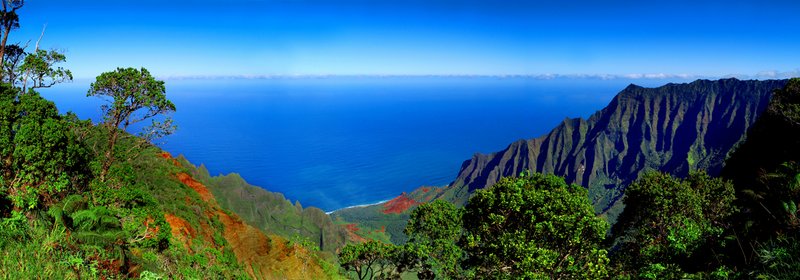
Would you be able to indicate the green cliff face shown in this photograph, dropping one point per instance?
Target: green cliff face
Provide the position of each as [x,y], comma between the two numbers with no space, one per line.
[272,212]
[673,128]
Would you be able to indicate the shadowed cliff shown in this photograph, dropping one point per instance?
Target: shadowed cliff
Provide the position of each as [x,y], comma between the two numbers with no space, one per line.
[673,128]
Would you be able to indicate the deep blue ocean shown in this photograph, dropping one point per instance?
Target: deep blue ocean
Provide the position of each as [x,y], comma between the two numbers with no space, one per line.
[337,142]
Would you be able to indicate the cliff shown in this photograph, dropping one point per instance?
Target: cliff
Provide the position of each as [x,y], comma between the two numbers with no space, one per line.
[674,128]
[272,213]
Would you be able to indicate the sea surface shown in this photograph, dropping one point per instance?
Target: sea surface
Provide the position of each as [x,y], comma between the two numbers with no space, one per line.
[333,142]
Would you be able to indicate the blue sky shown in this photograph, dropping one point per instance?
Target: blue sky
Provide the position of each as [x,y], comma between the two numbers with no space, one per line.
[418,37]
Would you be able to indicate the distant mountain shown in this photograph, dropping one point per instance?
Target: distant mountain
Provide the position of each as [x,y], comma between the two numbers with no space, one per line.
[674,128]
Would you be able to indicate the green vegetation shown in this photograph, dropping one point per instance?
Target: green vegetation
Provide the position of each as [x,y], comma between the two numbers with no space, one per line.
[433,230]
[743,225]
[669,224]
[272,212]
[133,96]
[58,220]
[675,128]
[534,226]
[79,200]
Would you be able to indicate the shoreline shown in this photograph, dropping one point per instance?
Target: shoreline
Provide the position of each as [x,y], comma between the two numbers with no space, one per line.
[359,206]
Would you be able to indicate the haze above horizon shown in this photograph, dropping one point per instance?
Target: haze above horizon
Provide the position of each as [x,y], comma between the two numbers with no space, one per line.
[439,37]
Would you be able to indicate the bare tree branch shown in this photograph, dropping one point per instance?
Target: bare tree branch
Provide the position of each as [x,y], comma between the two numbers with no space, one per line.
[40,37]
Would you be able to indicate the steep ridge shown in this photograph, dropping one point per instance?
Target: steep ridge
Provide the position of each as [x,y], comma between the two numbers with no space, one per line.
[673,128]
[272,212]
[262,256]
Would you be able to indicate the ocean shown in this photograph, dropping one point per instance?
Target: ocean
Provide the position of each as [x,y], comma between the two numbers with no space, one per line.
[333,142]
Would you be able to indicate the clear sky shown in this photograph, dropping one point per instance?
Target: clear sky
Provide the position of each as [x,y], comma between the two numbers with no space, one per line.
[418,37]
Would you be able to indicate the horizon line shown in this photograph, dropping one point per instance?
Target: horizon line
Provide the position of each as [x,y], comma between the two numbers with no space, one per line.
[632,76]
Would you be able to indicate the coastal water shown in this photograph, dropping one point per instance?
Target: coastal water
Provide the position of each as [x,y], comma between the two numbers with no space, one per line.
[336,142]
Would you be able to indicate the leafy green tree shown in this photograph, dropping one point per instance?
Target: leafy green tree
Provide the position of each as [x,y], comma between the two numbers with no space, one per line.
[534,227]
[13,58]
[41,158]
[133,95]
[667,221]
[40,68]
[371,260]
[433,230]
[9,20]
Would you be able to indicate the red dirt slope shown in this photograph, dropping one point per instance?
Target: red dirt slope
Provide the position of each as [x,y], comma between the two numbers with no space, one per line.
[263,256]
[187,180]
[399,204]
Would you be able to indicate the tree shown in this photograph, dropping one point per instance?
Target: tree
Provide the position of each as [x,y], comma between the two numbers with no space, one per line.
[39,67]
[433,230]
[371,260]
[534,227]
[12,60]
[41,158]
[771,147]
[667,221]
[133,96]
[9,21]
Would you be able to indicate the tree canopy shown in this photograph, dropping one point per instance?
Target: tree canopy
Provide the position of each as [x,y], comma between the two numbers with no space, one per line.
[42,158]
[668,220]
[434,230]
[132,95]
[534,226]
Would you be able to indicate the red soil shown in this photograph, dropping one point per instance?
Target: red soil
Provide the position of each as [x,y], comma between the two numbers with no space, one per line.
[352,233]
[352,227]
[181,229]
[425,189]
[167,155]
[399,204]
[264,257]
[267,257]
[187,180]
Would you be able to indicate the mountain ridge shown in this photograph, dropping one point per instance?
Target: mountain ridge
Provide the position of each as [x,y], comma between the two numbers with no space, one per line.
[635,132]
[675,128]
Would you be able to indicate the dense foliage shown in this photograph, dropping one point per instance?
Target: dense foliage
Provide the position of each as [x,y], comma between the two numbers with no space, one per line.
[741,226]
[433,230]
[42,159]
[531,227]
[669,224]
[534,226]
[84,201]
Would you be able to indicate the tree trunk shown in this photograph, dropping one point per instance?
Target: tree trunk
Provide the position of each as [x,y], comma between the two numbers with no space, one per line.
[7,29]
[109,154]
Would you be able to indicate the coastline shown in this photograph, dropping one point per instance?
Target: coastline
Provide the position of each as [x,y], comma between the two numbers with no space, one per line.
[359,206]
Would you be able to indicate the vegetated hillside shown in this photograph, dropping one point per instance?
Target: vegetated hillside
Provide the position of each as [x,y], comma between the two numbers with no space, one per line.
[673,128]
[272,212]
[148,217]
[697,227]
[261,255]
[769,155]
